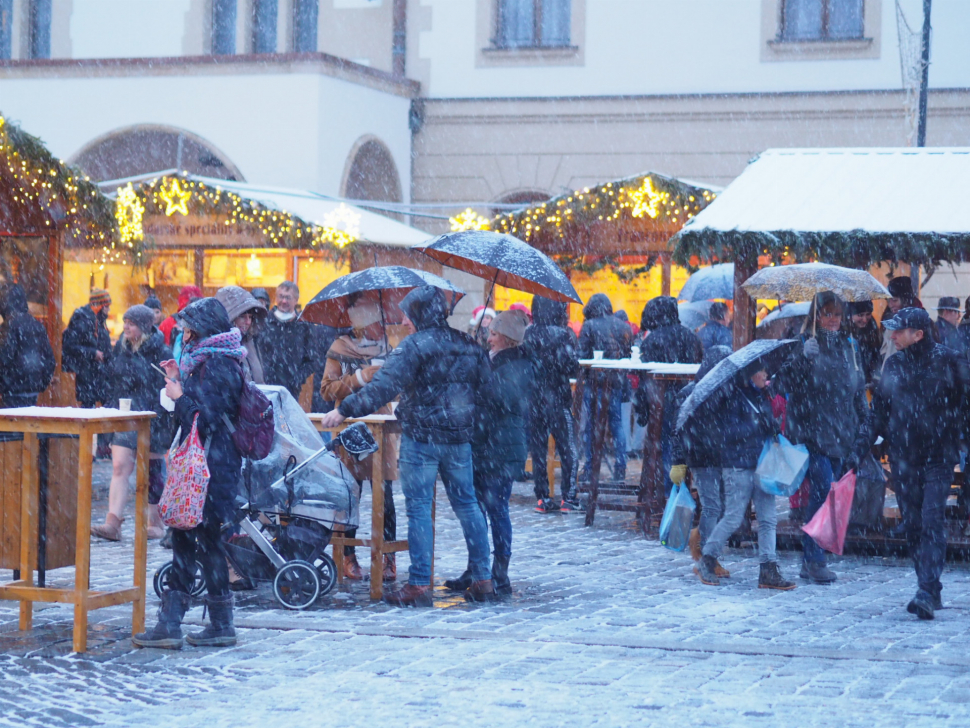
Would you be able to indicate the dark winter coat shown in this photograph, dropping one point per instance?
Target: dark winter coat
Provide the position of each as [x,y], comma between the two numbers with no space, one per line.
[869,341]
[502,411]
[827,410]
[602,331]
[212,391]
[26,357]
[438,371]
[740,421]
[323,337]
[714,333]
[131,376]
[921,404]
[85,335]
[697,445]
[287,349]
[669,342]
[951,337]
[552,346]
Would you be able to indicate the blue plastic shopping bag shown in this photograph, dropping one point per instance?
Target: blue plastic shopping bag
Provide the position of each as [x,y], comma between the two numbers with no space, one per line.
[677,519]
[782,467]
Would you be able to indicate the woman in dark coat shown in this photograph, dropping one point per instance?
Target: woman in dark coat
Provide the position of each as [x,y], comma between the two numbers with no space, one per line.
[827,411]
[131,375]
[26,357]
[500,444]
[206,382]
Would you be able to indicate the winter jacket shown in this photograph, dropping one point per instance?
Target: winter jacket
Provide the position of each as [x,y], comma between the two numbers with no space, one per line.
[26,357]
[287,349]
[438,371]
[168,326]
[696,445]
[714,333]
[85,335]
[951,337]
[921,404]
[323,338]
[552,347]
[827,410]
[669,342]
[869,341]
[740,421]
[348,368]
[131,376]
[602,331]
[502,411]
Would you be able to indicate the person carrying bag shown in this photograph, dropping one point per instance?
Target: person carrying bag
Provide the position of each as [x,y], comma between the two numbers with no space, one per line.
[207,387]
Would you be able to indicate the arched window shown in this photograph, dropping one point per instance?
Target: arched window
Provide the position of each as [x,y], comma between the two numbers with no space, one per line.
[372,174]
[145,149]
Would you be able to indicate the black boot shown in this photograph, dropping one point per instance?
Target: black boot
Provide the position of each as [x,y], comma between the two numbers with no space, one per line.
[219,632]
[707,571]
[500,574]
[167,633]
[461,583]
[770,578]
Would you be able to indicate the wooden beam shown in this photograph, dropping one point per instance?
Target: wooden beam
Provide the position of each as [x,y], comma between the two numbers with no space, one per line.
[745,308]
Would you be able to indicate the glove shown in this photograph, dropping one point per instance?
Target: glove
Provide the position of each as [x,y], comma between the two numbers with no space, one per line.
[810,348]
[678,473]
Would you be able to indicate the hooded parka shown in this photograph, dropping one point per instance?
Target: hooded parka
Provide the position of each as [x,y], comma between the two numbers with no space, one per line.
[26,357]
[85,335]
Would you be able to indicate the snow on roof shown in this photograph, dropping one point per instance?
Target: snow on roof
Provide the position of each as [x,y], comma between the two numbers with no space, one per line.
[879,190]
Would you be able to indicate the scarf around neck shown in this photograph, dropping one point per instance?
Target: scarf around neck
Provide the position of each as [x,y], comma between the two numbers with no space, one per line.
[194,353]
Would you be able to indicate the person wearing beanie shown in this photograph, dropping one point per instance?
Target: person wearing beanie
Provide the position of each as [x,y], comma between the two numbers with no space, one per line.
[859,324]
[168,326]
[351,362]
[132,374]
[947,323]
[155,305]
[524,309]
[86,349]
[499,444]
[481,319]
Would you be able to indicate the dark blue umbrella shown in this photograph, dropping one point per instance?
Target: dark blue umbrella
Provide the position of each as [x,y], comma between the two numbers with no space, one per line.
[709,283]
[769,353]
[503,260]
[386,285]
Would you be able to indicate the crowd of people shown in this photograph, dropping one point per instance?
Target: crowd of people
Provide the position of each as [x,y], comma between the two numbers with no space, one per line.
[474,405]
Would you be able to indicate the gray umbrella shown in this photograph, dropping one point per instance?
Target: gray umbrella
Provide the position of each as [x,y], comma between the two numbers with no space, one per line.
[788,310]
[769,353]
[694,315]
[707,283]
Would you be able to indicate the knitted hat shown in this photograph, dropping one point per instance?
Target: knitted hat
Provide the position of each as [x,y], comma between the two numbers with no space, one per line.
[99,297]
[141,316]
[153,303]
[511,324]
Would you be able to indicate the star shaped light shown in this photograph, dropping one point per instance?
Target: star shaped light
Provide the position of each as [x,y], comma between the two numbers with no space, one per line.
[176,199]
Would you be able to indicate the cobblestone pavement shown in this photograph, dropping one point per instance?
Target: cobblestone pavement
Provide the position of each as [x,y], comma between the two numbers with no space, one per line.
[604,628]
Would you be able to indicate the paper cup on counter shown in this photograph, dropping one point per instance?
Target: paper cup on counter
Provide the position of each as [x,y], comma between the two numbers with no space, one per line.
[124,405]
[597,355]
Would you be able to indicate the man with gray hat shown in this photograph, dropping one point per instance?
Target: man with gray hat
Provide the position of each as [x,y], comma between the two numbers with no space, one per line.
[921,408]
[947,323]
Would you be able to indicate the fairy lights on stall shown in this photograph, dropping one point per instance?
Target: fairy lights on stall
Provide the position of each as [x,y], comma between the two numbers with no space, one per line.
[468,219]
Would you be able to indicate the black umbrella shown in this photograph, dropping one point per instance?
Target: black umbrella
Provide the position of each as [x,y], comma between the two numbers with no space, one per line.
[770,355]
[386,285]
[503,260]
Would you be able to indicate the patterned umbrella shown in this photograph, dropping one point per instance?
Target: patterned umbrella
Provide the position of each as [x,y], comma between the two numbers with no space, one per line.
[803,281]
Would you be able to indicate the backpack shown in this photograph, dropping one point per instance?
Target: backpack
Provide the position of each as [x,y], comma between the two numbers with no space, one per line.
[253,434]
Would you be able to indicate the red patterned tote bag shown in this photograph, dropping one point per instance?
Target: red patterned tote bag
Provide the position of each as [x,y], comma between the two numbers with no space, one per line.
[187,483]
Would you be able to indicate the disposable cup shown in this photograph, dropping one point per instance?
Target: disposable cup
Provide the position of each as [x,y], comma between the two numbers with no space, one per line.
[597,355]
[124,405]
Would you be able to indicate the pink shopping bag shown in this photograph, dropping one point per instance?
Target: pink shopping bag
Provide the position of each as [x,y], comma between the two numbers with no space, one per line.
[829,524]
[187,483]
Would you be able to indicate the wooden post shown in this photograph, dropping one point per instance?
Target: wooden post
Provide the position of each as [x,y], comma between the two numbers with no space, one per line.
[199,264]
[28,523]
[745,307]
[377,514]
[141,527]
[82,569]
[665,270]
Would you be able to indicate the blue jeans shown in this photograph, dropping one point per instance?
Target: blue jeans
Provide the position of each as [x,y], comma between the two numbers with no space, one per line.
[493,488]
[822,471]
[419,464]
[617,429]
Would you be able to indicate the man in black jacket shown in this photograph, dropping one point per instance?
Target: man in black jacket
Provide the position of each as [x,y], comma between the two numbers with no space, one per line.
[87,348]
[602,331]
[947,323]
[286,342]
[921,408]
[552,347]
[717,331]
[439,372]
[26,357]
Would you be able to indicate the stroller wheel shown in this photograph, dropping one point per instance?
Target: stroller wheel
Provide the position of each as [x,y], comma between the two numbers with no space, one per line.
[328,573]
[297,584]
[162,580]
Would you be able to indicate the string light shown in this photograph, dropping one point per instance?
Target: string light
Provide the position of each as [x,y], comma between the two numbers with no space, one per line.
[468,219]
[129,211]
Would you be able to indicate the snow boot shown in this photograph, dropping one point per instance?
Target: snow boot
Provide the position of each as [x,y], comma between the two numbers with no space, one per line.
[352,568]
[817,572]
[167,633]
[110,530]
[461,583]
[706,570]
[921,605]
[220,631]
[770,578]
[500,575]
[390,567]
[480,591]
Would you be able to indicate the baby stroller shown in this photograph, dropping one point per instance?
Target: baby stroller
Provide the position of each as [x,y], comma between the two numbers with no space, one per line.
[284,523]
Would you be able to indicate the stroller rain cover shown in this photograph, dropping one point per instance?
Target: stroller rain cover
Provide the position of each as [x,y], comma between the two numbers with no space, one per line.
[325,488]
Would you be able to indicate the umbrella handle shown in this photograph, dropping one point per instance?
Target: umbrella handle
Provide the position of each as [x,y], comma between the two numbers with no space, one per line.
[488,298]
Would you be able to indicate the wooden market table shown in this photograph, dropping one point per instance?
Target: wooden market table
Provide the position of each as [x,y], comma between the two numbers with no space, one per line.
[85,423]
[381,427]
[650,492]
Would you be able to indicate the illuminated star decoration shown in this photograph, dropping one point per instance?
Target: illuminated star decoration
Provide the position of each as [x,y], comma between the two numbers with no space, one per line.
[341,226]
[468,219]
[128,213]
[644,200]
[176,199]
